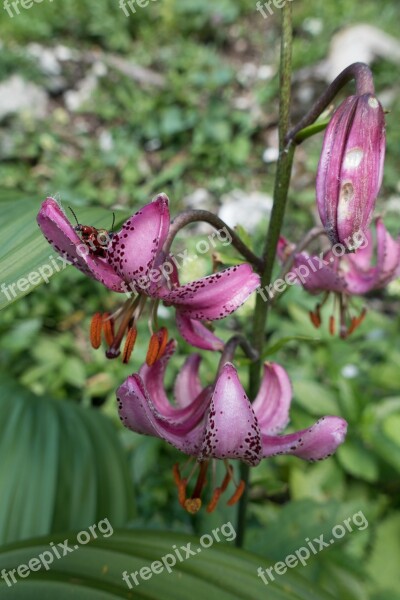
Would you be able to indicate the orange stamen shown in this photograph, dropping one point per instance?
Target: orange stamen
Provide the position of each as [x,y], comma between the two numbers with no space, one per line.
[176,473]
[353,325]
[227,479]
[108,329]
[152,352]
[163,341]
[182,492]
[214,500]
[237,494]
[95,330]
[315,319]
[129,344]
[332,325]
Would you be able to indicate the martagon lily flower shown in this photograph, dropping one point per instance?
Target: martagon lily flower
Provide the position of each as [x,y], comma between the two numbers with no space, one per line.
[133,262]
[350,168]
[347,275]
[219,422]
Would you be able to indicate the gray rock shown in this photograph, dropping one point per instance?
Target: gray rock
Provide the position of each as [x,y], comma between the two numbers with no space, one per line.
[19,96]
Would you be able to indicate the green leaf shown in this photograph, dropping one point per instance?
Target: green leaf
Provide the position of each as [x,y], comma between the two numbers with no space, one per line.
[286,340]
[95,570]
[26,258]
[62,466]
[315,398]
[358,461]
[383,565]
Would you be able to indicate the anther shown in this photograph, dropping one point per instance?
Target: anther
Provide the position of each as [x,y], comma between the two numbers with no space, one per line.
[152,352]
[108,328]
[332,325]
[129,344]
[315,319]
[95,330]
[237,494]
[214,500]
[162,335]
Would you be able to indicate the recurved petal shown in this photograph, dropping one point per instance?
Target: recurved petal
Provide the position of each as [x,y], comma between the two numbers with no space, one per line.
[184,430]
[362,276]
[272,402]
[232,430]
[153,380]
[215,296]
[388,254]
[61,235]
[135,247]
[196,334]
[315,443]
[316,275]
[187,383]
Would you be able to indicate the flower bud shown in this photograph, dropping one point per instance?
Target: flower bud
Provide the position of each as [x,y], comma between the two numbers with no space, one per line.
[350,168]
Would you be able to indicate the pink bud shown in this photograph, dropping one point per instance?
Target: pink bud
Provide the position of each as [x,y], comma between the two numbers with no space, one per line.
[350,168]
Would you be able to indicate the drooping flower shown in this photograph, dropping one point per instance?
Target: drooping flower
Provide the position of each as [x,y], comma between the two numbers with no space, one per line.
[132,261]
[347,275]
[350,168]
[219,422]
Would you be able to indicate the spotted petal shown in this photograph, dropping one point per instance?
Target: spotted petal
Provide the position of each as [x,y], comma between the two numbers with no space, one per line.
[232,430]
[315,443]
[184,429]
[196,334]
[215,296]
[272,402]
[61,235]
[135,247]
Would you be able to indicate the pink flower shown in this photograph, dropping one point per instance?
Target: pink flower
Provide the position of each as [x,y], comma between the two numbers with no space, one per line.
[219,421]
[351,167]
[347,275]
[132,261]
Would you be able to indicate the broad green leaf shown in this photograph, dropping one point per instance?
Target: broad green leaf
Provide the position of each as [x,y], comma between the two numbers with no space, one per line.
[26,258]
[286,340]
[95,570]
[315,398]
[358,461]
[62,466]
[383,565]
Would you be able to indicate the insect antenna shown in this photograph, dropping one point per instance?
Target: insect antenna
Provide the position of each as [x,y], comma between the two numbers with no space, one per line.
[75,217]
[113,222]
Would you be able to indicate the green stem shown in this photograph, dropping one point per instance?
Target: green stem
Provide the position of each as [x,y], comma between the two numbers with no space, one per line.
[281,187]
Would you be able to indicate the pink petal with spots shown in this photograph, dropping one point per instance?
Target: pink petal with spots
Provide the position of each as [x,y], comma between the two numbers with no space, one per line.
[315,443]
[232,430]
[196,334]
[272,403]
[215,296]
[135,247]
[183,429]
[61,235]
